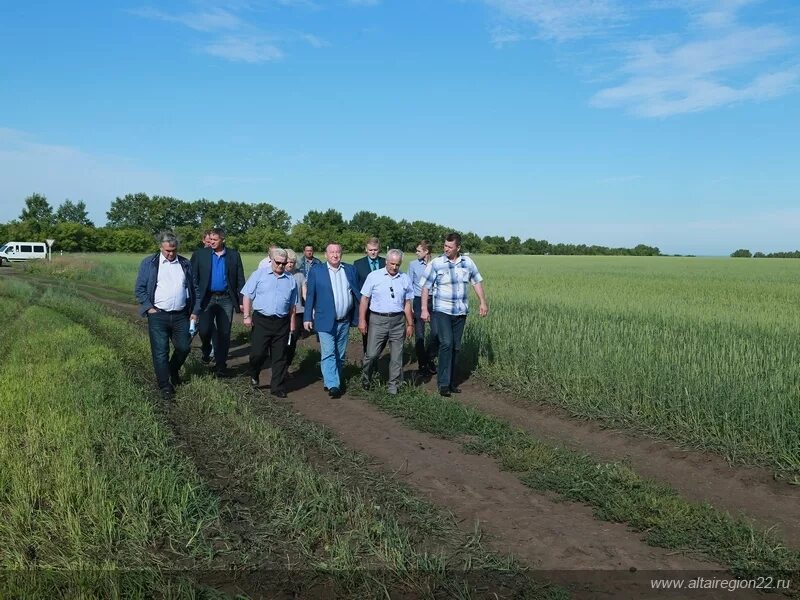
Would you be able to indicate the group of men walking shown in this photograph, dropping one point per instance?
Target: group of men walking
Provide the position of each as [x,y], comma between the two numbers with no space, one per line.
[286,298]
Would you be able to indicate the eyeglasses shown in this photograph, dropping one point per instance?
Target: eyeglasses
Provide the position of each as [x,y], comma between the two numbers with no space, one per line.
[278,263]
[391,291]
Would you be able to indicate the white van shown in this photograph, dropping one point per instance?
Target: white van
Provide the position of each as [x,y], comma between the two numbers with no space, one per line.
[18,251]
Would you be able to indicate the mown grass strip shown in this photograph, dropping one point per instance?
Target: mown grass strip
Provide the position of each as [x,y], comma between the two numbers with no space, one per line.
[615,491]
[315,521]
[89,483]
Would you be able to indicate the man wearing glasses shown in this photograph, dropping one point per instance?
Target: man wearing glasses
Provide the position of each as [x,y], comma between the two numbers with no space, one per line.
[386,294]
[269,298]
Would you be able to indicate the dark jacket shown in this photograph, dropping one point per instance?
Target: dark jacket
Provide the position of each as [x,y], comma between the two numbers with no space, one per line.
[302,267]
[234,272]
[363,270]
[146,280]
[319,298]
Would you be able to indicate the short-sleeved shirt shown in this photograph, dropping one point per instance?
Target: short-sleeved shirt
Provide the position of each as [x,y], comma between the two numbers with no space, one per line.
[272,295]
[449,281]
[387,294]
[416,269]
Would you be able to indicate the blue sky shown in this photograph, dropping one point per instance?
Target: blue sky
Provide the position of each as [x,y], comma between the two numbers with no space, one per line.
[668,122]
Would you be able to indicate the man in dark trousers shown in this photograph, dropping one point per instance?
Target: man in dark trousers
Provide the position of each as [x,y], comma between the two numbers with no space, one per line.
[220,278]
[364,266]
[269,299]
[167,294]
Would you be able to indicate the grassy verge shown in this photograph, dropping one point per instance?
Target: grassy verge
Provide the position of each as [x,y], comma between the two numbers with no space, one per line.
[314,511]
[615,491]
[90,486]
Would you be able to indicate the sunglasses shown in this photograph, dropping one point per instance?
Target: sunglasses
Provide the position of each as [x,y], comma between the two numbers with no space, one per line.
[278,263]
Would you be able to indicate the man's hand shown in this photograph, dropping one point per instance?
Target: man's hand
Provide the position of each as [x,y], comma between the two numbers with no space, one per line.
[248,320]
[484,309]
[152,311]
[362,327]
[409,330]
[425,315]
[308,325]
[241,308]
[193,318]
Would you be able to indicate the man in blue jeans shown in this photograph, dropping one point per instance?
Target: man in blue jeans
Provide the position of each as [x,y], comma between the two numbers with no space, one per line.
[448,275]
[167,294]
[332,300]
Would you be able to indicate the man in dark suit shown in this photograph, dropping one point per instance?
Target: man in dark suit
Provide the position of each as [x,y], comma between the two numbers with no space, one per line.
[364,266]
[220,278]
[332,299]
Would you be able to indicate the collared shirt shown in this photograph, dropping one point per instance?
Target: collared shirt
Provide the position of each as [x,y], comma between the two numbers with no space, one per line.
[342,298]
[416,269]
[219,283]
[449,279]
[171,292]
[272,295]
[387,294]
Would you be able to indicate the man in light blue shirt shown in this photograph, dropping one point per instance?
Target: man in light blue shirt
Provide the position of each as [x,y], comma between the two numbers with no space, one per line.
[387,294]
[269,299]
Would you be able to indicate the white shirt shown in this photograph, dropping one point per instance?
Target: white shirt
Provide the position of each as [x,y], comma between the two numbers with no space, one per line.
[266,263]
[170,286]
[342,298]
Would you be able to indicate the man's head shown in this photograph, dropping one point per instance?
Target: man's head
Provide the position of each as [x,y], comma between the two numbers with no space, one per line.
[373,247]
[279,260]
[333,254]
[270,250]
[308,251]
[217,239]
[207,238]
[423,249]
[168,243]
[452,245]
[394,258]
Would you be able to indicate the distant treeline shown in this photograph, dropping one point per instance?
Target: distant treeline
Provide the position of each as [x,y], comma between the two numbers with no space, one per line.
[745,253]
[134,219]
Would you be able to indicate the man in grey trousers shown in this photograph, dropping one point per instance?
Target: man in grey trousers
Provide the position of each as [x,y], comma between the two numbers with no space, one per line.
[386,294]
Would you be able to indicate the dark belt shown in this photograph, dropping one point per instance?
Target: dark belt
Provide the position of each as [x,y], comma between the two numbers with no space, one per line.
[225,293]
[273,317]
[343,320]
[394,314]
[170,312]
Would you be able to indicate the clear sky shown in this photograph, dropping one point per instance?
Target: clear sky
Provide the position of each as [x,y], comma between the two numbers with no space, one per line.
[667,122]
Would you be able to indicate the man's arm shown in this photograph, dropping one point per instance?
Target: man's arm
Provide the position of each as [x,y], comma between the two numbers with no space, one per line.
[424,315]
[484,308]
[362,314]
[240,281]
[247,311]
[140,289]
[409,318]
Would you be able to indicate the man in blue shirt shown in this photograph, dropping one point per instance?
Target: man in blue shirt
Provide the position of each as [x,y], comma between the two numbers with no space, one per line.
[449,275]
[387,295]
[220,276]
[426,357]
[269,299]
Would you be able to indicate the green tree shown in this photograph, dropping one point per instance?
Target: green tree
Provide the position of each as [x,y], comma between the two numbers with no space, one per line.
[741,253]
[71,212]
[37,213]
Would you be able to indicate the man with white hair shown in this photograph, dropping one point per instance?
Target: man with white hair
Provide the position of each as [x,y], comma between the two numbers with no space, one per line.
[386,294]
[269,297]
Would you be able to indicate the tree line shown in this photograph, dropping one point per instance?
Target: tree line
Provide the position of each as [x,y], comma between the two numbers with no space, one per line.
[133,220]
[745,253]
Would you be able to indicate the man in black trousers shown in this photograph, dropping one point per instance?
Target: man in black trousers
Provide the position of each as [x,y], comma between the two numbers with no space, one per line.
[364,266]
[219,274]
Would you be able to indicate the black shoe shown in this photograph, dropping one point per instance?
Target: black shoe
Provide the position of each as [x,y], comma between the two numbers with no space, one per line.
[221,373]
[206,360]
[325,389]
[279,394]
[175,380]
[455,389]
[253,382]
[335,392]
[366,385]
[444,392]
[168,394]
